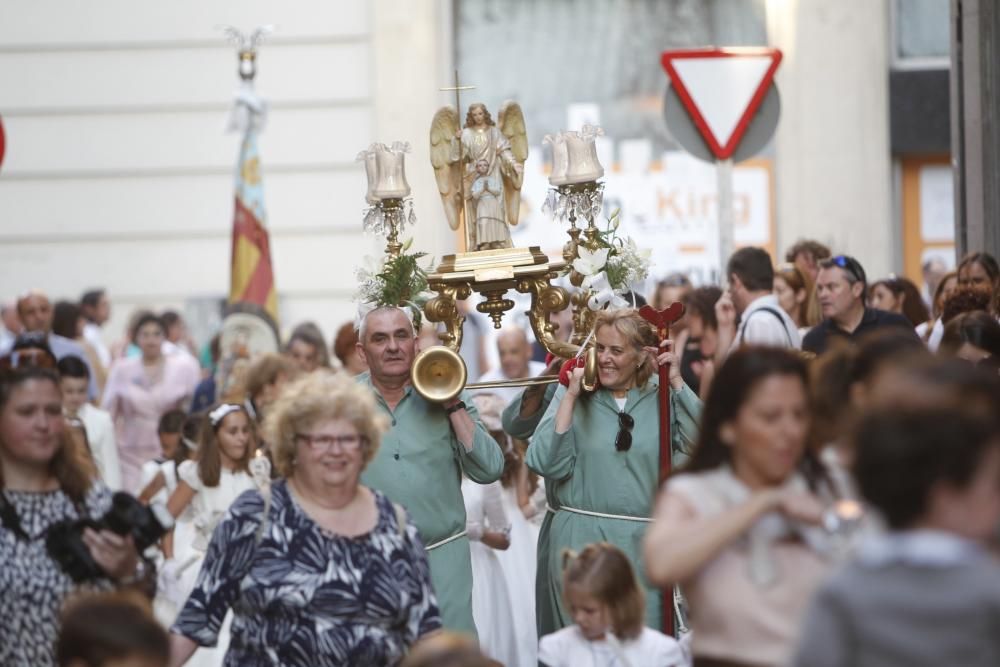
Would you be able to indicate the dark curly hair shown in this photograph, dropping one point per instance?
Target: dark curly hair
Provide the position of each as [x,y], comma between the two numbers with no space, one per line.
[966,299]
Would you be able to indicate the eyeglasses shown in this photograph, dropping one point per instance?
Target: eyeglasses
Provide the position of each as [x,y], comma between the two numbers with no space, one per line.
[324,443]
[623,442]
[852,266]
[27,357]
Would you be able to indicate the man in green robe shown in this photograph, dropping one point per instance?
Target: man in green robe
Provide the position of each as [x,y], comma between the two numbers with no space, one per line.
[422,457]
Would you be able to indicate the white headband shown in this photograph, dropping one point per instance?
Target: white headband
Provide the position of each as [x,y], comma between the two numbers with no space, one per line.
[216,416]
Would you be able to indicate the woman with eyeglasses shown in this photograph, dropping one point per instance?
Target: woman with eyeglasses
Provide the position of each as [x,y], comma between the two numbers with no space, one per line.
[317,568]
[600,453]
[45,479]
[738,529]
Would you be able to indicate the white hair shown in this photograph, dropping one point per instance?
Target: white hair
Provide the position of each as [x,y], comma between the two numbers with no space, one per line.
[366,309]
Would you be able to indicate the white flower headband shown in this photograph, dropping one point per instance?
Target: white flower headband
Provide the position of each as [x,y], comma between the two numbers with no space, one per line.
[216,416]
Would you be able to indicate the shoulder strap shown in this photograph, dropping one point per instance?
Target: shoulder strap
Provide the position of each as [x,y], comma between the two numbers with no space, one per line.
[400,518]
[768,309]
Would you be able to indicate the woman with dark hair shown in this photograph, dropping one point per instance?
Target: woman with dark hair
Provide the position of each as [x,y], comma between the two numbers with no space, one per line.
[944,289]
[68,322]
[599,453]
[973,336]
[899,295]
[738,528]
[979,269]
[139,390]
[699,341]
[307,348]
[45,479]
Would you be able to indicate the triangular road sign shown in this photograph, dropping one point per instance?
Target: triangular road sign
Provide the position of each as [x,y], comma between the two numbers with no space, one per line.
[721,89]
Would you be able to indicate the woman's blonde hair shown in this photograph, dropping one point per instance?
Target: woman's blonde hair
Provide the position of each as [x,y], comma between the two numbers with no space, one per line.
[208,456]
[316,396]
[639,334]
[603,572]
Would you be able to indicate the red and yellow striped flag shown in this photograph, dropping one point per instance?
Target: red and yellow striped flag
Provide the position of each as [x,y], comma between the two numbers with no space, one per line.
[252,278]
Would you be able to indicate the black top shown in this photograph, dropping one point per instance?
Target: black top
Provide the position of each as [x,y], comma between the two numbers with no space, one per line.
[819,336]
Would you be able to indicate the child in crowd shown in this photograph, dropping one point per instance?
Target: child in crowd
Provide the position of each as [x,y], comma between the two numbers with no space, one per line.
[607,605]
[927,592]
[208,486]
[98,429]
[178,441]
[110,630]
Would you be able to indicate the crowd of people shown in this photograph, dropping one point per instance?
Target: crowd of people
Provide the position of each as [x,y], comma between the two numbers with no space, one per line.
[833,496]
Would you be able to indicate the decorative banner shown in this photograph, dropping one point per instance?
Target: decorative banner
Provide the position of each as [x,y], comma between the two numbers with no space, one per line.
[252,276]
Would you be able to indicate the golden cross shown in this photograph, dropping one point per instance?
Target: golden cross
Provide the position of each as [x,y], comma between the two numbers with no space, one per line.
[458,87]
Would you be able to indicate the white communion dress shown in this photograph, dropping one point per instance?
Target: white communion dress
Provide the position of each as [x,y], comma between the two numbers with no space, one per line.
[208,507]
[519,564]
[165,609]
[491,608]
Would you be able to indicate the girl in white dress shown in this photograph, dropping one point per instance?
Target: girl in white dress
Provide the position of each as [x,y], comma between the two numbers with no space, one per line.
[520,561]
[488,529]
[159,476]
[209,486]
[607,605]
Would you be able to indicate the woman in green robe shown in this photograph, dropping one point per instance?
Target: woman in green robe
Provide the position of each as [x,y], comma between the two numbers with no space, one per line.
[600,453]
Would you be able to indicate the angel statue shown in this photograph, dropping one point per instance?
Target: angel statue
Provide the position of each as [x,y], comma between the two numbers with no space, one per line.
[479,170]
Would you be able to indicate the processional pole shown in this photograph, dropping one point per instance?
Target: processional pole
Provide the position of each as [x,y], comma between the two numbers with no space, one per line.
[662,319]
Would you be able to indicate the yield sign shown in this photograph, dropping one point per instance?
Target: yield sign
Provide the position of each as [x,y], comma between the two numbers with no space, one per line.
[721,90]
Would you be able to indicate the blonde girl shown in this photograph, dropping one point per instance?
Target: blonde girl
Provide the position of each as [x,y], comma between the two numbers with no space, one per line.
[607,605]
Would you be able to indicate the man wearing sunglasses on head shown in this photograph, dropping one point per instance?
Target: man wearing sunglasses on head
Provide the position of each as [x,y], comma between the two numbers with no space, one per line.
[840,289]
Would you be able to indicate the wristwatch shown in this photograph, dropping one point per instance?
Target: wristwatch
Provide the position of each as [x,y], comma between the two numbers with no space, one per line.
[455,408]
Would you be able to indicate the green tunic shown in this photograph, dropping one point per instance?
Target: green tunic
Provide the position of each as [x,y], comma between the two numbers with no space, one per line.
[523,428]
[419,465]
[583,471]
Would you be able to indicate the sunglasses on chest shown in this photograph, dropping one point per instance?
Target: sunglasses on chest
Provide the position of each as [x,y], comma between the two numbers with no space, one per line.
[623,441]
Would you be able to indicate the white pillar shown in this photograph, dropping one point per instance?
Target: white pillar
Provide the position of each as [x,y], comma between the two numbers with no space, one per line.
[412,55]
[833,165]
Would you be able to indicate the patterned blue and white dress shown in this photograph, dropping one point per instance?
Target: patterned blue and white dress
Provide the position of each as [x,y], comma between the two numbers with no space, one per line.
[305,596]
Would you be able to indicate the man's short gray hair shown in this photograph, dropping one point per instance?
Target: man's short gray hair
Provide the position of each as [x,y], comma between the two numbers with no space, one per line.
[362,321]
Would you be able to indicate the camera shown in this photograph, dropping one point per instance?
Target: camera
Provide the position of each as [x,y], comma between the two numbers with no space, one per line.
[127,516]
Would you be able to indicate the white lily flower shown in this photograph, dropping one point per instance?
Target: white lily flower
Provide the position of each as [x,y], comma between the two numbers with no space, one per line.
[588,263]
